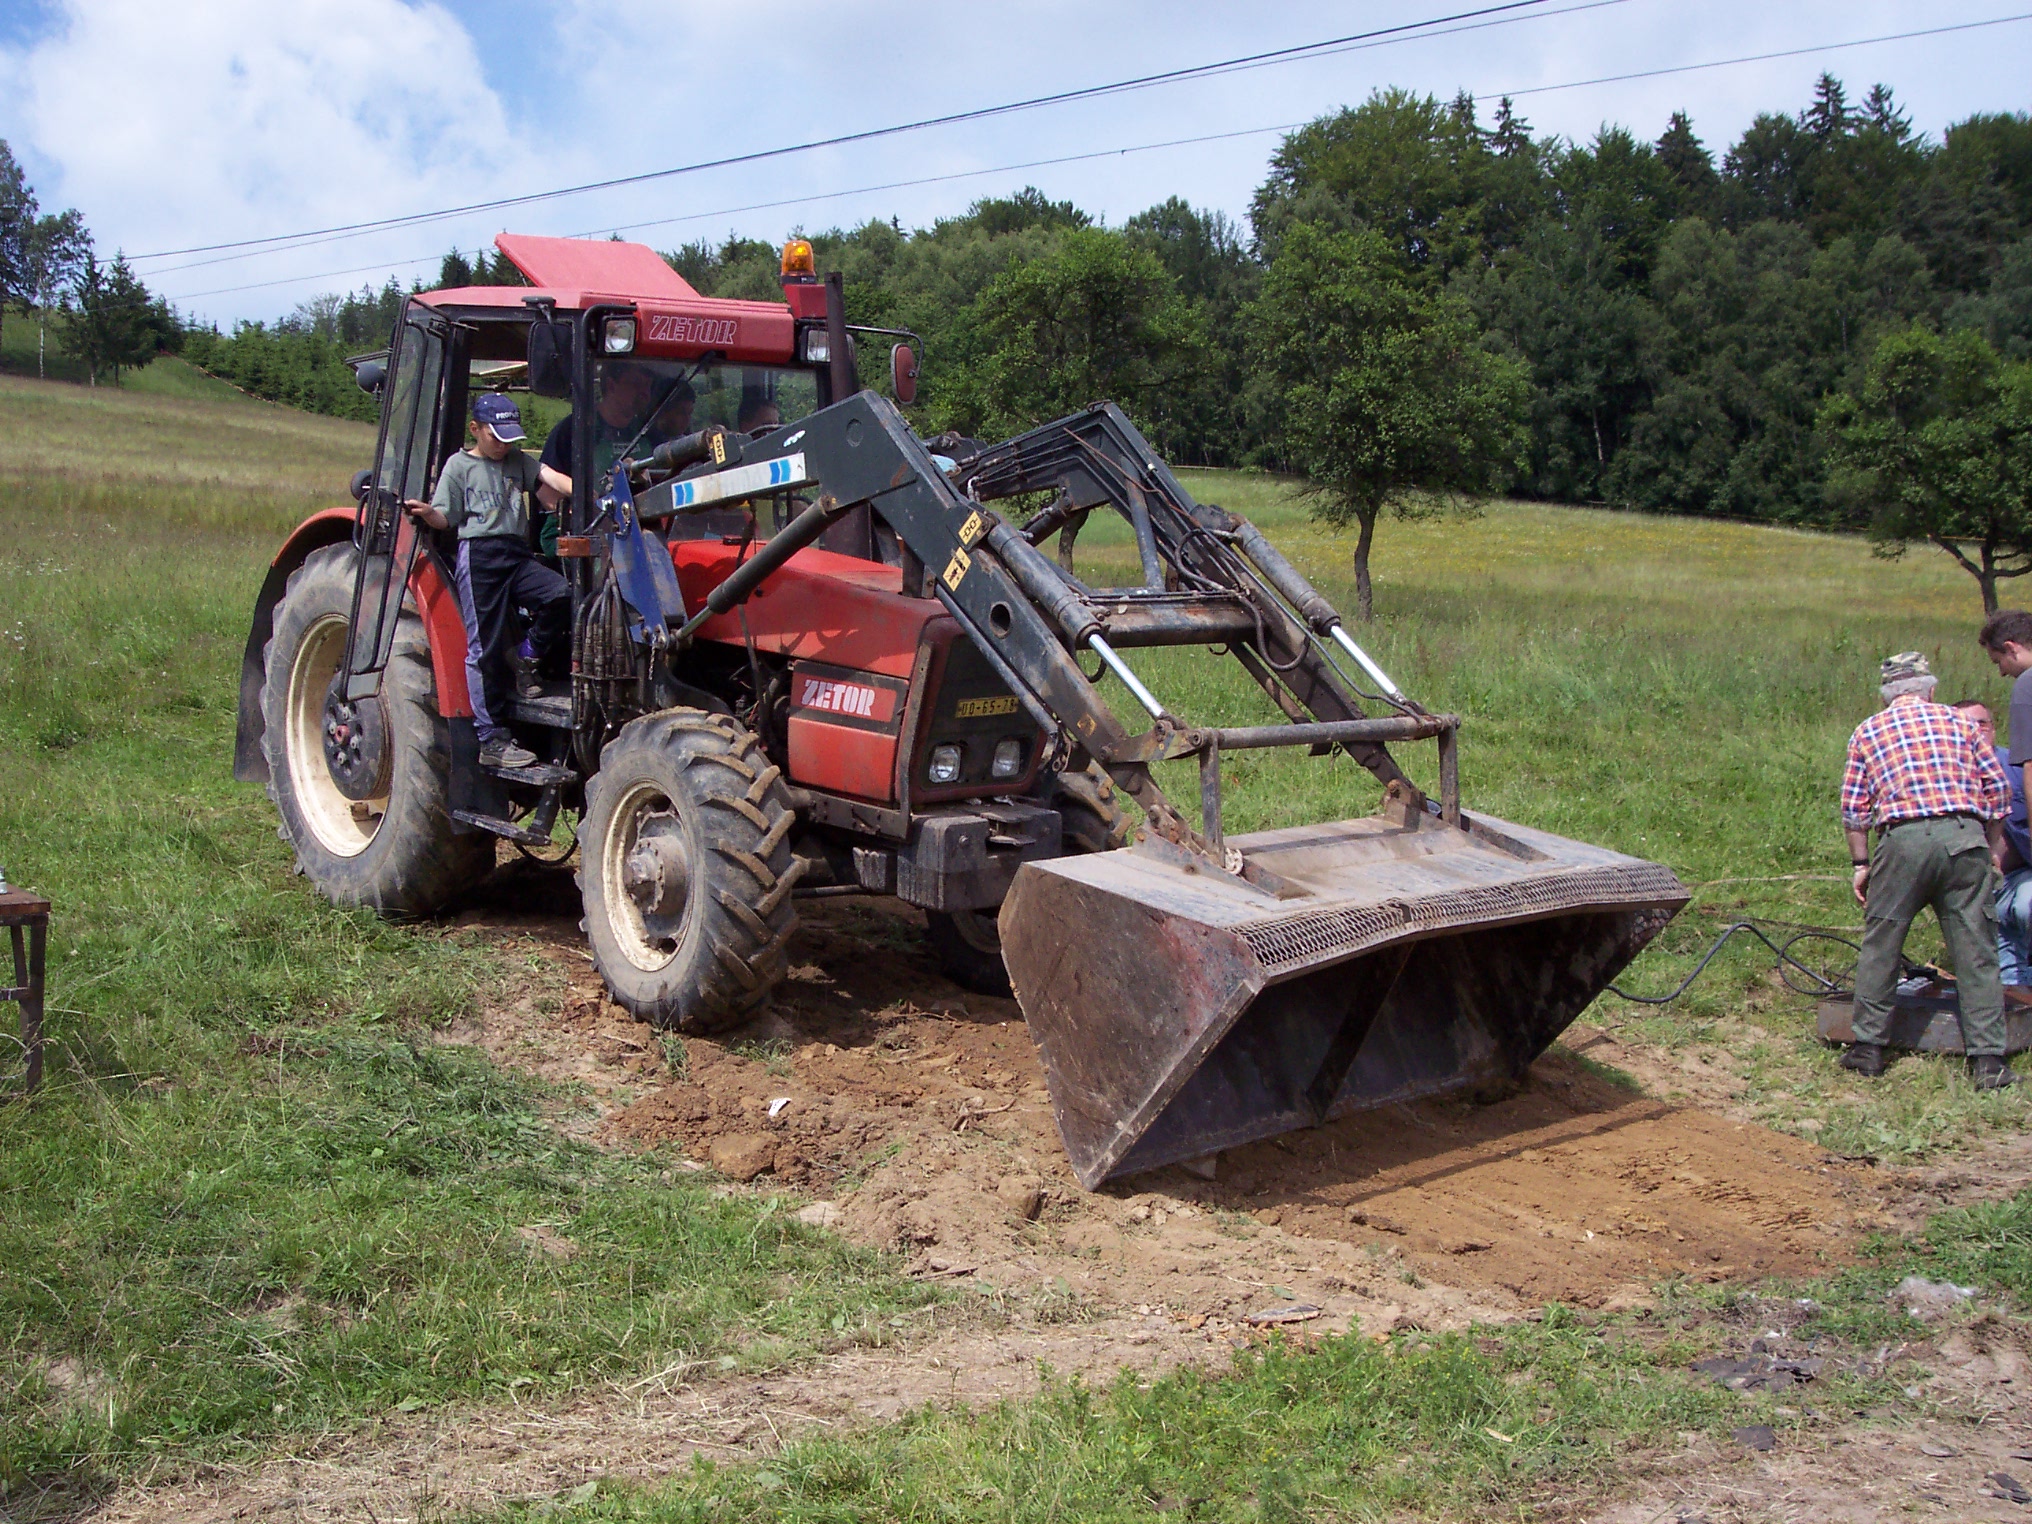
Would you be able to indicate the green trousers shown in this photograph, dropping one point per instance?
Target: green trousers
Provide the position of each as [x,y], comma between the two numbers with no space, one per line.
[1942,861]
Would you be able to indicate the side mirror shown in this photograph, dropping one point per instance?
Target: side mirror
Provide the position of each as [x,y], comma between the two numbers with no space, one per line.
[361,480]
[370,374]
[550,350]
[903,374]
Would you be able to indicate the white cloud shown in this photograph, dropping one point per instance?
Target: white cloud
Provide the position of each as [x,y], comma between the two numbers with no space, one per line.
[193,123]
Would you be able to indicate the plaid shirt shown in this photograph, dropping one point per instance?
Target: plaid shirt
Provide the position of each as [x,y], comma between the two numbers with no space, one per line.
[1916,758]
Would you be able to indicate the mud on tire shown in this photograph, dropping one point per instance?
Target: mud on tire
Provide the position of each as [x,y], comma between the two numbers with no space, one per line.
[967,944]
[687,870]
[395,851]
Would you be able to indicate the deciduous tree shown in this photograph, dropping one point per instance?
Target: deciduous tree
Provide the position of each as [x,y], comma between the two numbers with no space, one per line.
[1937,446]
[1389,398]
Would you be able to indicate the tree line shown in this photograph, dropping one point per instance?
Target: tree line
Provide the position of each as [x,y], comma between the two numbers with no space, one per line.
[1424,306]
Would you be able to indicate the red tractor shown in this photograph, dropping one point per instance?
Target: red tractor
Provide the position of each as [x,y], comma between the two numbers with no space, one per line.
[809,656]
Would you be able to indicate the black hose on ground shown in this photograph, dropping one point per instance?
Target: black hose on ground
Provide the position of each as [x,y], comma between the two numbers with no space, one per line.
[1822,985]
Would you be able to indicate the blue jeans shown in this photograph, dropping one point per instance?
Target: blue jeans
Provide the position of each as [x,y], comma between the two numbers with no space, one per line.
[2014,927]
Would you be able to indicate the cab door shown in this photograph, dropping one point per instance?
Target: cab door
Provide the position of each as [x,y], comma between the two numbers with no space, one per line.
[415,403]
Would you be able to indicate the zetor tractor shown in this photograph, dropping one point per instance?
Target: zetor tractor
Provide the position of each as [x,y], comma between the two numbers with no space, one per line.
[814,658]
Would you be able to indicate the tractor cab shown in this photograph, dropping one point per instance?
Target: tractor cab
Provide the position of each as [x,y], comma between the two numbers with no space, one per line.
[616,354]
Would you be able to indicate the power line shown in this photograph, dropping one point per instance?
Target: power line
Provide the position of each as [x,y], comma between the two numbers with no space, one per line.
[1723,63]
[981,113]
[289,243]
[763,206]
[1106,153]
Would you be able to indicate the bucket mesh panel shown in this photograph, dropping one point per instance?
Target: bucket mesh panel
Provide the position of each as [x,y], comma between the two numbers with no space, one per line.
[1291,941]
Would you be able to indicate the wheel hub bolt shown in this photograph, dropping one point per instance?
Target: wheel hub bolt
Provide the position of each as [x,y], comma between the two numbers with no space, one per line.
[654,876]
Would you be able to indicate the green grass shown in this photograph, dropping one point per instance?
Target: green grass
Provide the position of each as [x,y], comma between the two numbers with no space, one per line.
[1498,1423]
[166,376]
[256,1195]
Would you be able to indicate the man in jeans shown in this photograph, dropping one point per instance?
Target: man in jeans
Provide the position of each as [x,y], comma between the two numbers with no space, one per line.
[2014,862]
[483,493]
[1937,796]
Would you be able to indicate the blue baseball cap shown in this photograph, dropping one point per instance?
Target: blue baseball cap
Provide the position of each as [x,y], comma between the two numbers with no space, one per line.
[501,415]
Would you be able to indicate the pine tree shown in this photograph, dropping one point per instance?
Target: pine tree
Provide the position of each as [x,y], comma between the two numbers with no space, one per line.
[1511,135]
[1829,117]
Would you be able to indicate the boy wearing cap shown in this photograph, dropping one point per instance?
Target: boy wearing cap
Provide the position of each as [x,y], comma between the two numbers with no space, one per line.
[1937,795]
[482,493]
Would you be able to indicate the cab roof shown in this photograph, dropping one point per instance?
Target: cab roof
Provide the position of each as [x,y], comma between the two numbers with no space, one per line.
[672,318]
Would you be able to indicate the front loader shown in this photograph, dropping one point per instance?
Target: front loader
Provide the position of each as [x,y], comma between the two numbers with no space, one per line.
[828,657]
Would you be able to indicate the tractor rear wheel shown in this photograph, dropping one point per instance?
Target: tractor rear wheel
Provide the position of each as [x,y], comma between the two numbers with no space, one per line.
[968,944]
[361,787]
[687,870]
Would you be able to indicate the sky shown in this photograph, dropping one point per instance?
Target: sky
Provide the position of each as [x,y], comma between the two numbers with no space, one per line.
[210,121]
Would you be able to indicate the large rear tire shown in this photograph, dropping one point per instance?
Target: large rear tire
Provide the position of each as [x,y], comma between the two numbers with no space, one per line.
[686,870]
[968,944]
[394,849]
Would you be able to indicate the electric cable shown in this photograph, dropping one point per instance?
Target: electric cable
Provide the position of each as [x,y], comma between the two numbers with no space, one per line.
[1325,46]
[1822,985]
[284,243]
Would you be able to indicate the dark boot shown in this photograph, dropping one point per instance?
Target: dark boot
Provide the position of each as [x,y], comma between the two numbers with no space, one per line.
[1991,1073]
[1864,1058]
[528,675]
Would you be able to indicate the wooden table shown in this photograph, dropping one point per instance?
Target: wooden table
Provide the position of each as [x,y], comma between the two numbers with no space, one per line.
[26,917]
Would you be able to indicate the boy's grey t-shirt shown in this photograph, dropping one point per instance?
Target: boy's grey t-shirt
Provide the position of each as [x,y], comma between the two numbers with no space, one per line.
[482,498]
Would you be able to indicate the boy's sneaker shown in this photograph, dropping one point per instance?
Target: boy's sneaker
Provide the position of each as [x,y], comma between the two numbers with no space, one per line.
[503,751]
[528,680]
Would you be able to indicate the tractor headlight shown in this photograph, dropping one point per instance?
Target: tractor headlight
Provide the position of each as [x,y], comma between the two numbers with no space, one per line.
[818,348]
[1008,761]
[618,337]
[945,764]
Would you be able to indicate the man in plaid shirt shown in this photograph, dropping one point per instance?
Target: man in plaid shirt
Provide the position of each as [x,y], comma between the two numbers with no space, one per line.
[1937,795]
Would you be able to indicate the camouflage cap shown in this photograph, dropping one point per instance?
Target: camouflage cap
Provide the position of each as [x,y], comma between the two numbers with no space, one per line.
[1904,667]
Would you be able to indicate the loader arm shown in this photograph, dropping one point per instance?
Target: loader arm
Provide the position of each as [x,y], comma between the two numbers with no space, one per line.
[1030,616]
[862,451]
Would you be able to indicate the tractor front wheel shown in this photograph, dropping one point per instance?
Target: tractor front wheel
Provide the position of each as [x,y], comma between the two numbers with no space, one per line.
[361,785]
[687,870]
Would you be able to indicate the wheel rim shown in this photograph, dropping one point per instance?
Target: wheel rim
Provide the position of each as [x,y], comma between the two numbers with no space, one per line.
[643,830]
[342,826]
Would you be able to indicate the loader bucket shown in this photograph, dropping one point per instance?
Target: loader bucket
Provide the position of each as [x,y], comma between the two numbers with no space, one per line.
[1180,1011]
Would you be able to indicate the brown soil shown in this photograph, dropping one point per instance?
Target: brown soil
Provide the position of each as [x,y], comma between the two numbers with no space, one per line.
[915,1116]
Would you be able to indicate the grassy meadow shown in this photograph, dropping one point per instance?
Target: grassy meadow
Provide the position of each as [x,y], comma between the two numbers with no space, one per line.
[256,1202]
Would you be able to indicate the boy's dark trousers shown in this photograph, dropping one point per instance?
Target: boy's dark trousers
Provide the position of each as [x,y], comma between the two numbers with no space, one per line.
[496,574]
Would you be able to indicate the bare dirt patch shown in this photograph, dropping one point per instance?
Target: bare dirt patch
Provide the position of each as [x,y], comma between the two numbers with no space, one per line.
[915,1116]
[1962,1450]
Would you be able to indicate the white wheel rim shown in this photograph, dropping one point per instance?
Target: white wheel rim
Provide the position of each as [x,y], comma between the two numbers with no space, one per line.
[342,826]
[648,947]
